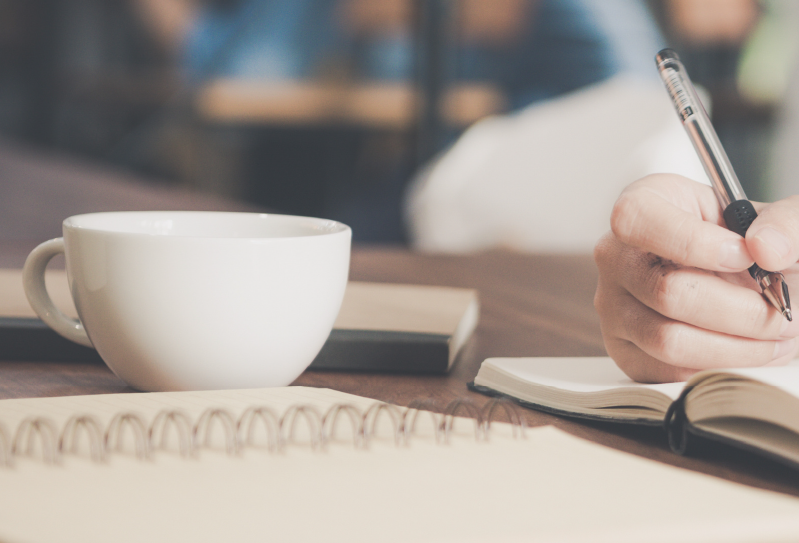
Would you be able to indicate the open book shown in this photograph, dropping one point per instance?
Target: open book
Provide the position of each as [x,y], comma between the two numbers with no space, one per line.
[121,472]
[756,409]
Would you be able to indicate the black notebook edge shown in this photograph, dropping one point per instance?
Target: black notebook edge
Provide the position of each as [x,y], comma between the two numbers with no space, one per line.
[699,433]
[559,412]
[677,427]
[386,351]
[31,340]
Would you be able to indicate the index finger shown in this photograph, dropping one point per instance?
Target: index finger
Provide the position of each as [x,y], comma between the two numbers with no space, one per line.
[651,220]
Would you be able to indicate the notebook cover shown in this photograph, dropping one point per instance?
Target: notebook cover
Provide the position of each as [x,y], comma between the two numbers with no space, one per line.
[384,351]
[26,339]
[694,444]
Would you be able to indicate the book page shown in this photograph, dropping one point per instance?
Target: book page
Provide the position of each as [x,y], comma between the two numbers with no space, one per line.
[753,406]
[785,378]
[13,302]
[405,308]
[588,386]
[577,374]
[549,486]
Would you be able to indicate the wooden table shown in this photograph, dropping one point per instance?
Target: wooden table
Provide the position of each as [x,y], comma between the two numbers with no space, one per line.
[532,305]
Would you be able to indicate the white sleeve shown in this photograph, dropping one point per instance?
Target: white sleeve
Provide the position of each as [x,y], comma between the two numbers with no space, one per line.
[546,178]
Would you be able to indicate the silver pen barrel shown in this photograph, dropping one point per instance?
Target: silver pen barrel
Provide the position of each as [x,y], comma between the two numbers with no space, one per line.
[699,128]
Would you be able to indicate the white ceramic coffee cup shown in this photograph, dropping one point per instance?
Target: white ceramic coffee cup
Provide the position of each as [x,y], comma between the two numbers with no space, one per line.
[197,300]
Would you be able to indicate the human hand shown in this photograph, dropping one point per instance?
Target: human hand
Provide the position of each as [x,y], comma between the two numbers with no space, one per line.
[674,296]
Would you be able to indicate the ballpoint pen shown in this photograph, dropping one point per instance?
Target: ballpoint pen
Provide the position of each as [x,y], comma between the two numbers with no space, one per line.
[738,211]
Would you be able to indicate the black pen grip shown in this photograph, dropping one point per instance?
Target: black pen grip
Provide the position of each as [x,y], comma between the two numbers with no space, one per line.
[739,216]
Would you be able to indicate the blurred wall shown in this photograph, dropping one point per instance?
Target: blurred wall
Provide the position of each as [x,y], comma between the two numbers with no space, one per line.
[109,80]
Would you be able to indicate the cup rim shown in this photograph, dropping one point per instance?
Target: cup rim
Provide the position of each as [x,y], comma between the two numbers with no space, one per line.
[317,227]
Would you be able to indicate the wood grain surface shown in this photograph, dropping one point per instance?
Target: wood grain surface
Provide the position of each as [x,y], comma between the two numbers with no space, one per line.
[532,305]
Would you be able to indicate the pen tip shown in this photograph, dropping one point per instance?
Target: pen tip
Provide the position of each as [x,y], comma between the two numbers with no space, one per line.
[775,289]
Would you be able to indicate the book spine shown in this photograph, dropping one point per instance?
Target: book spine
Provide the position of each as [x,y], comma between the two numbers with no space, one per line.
[676,424]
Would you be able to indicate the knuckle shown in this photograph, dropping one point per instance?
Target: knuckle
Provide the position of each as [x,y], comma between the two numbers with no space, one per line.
[690,244]
[602,251]
[686,242]
[605,303]
[664,293]
[599,299]
[666,288]
[669,343]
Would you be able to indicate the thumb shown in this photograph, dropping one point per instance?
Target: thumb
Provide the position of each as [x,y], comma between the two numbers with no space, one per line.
[773,238]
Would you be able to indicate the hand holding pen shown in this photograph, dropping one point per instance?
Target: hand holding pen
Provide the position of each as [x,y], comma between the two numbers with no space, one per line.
[738,211]
[674,295]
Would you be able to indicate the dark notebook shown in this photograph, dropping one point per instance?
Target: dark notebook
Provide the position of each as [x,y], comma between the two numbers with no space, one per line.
[381,327]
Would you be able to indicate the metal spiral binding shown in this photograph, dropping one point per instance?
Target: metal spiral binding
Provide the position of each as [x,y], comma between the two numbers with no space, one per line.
[240,433]
[201,433]
[373,414]
[68,440]
[516,421]
[161,424]
[48,438]
[313,419]
[471,409]
[271,423]
[112,440]
[413,410]
[6,459]
[354,415]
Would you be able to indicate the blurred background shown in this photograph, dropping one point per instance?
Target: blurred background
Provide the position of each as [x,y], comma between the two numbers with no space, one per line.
[333,107]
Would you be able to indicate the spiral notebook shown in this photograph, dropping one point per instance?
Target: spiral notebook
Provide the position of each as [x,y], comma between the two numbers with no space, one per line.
[303,464]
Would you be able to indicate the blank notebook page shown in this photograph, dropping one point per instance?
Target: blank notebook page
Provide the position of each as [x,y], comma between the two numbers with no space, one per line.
[550,486]
[577,374]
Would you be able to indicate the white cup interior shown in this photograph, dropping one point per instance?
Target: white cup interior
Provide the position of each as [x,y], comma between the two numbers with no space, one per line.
[205,224]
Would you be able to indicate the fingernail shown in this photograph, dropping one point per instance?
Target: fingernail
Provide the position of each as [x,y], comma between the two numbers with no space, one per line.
[733,255]
[782,348]
[776,241]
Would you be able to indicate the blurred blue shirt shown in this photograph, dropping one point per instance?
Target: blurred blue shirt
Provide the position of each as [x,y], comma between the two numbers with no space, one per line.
[569,44]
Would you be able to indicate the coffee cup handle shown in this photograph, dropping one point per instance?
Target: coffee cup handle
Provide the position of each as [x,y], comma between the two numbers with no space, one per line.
[36,291]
